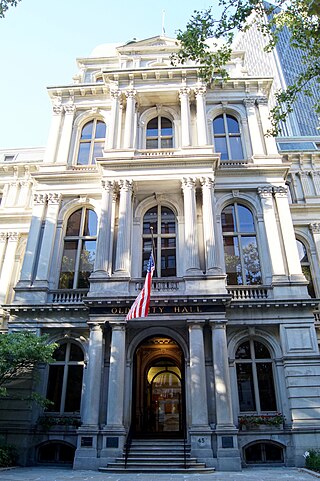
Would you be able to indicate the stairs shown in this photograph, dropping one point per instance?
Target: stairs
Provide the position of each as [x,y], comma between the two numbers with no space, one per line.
[157,456]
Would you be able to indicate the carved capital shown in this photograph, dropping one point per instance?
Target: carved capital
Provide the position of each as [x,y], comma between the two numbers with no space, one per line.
[115,94]
[108,185]
[249,102]
[13,236]
[262,101]
[95,327]
[207,183]
[39,198]
[314,227]
[57,109]
[54,198]
[200,91]
[184,92]
[280,191]
[265,191]
[120,326]
[69,108]
[125,185]
[188,183]
[130,94]
[3,236]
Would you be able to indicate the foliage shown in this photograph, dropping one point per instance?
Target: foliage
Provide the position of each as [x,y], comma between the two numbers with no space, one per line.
[48,421]
[20,353]
[300,17]
[268,419]
[312,458]
[8,455]
[5,4]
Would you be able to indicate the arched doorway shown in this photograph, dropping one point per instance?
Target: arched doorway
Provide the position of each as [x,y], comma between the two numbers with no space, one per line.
[158,388]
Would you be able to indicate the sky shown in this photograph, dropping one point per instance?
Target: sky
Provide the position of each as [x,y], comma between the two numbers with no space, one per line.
[41,39]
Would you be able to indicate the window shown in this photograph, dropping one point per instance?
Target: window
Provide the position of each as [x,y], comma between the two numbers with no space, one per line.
[91,142]
[79,250]
[240,246]
[9,158]
[159,133]
[261,453]
[305,266]
[65,379]
[227,137]
[255,378]
[161,222]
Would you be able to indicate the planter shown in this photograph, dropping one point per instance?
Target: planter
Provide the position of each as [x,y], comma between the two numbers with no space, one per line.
[261,427]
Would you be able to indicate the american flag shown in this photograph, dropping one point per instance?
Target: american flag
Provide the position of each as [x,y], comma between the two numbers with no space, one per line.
[140,307]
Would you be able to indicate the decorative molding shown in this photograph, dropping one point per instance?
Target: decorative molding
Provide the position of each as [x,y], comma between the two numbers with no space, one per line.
[54,198]
[207,182]
[280,191]
[188,183]
[314,227]
[125,185]
[13,236]
[39,198]
[265,191]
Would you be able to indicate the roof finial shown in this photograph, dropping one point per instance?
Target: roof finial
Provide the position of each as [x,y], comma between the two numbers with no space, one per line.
[163,32]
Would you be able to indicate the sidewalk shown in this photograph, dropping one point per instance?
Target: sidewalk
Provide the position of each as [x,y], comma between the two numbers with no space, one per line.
[61,474]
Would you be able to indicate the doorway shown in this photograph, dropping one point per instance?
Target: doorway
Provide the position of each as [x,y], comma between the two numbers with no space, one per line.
[159,403]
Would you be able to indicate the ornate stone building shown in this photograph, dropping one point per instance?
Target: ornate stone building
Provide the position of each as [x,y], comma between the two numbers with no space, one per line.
[227,362]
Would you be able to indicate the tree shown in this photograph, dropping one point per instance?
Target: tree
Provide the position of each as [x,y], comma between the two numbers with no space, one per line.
[300,17]
[20,353]
[5,4]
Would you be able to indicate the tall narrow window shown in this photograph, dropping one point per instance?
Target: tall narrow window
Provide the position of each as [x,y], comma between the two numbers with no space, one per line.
[91,142]
[240,246]
[255,378]
[227,137]
[160,221]
[305,266]
[79,249]
[159,133]
[65,379]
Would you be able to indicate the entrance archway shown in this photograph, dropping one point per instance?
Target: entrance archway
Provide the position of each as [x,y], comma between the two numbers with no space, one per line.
[158,388]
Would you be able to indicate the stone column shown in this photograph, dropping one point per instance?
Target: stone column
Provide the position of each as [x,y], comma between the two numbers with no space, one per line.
[221,376]
[124,228]
[209,225]
[66,133]
[192,262]
[102,261]
[271,146]
[315,231]
[116,377]
[39,205]
[255,134]
[129,120]
[198,385]
[53,140]
[185,117]
[44,262]
[3,245]
[288,235]
[111,141]
[200,93]
[93,377]
[271,229]
[8,263]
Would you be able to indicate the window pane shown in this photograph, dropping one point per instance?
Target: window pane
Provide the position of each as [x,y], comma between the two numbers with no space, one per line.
[221,146]
[83,155]
[151,220]
[54,389]
[87,130]
[76,353]
[168,263]
[260,350]
[73,225]
[100,130]
[166,124]
[168,221]
[245,219]
[251,260]
[266,387]
[153,125]
[87,258]
[218,125]
[166,143]
[147,247]
[232,260]
[243,351]
[60,353]
[68,265]
[273,453]
[303,256]
[152,144]
[236,148]
[74,388]
[233,125]
[90,224]
[245,387]
[228,219]
[97,151]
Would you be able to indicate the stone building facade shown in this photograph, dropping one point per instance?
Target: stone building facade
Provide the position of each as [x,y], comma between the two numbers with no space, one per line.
[228,357]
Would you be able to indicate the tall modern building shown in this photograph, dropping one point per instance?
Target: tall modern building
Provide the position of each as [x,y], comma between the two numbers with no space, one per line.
[225,370]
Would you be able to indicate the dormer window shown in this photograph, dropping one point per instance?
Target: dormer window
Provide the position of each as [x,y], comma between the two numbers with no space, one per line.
[159,133]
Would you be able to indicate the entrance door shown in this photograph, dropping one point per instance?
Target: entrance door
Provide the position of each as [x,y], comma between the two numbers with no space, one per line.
[159,400]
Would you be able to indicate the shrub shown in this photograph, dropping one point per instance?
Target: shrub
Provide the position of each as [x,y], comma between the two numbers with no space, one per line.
[8,455]
[312,458]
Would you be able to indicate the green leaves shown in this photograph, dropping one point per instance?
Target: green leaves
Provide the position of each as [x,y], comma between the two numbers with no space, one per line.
[5,4]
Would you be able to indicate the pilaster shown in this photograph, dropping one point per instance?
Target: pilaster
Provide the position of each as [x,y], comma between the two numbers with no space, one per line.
[129,120]
[200,93]
[124,229]
[192,262]
[255,134]
[207,184]
[111,140]
[184,96]
[8,263]
[65,139]
[53,140]
[270,143]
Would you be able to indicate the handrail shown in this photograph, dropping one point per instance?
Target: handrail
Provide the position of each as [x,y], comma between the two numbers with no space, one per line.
[127,446]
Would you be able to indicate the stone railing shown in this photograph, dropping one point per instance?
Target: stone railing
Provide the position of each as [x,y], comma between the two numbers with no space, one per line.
[64,296]
[248,292]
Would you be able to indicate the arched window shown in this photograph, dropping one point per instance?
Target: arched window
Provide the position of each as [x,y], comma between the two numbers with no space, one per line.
[227,137]
[240,246]
[255,378]
[65,379]
[91,142]
[79,249]
[263,452]
[305,266]
[162,222]
[159,133]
